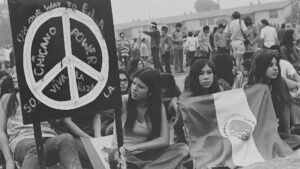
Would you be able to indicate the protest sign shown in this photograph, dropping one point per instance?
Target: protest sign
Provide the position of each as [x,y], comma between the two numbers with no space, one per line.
[65,57]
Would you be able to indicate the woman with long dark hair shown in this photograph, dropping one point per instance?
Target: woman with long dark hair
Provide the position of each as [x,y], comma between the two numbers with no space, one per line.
[287,48]
[201,81]
[265,69]
[202,78]
[145,126]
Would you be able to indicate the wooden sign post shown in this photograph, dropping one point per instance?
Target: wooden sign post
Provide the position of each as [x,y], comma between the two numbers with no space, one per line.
[65,57]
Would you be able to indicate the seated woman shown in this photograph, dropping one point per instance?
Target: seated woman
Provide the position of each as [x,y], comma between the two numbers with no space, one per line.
[19,139]
[265,69]
[145,126]
[202,81]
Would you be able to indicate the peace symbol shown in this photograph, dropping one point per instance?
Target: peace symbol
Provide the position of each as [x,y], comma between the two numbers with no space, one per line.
[69,61]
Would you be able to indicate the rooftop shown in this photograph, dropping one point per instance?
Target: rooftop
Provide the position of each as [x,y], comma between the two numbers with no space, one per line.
[208,14]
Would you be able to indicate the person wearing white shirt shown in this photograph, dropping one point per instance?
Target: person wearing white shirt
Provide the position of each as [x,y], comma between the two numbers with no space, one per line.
[190,46]
[237,30]
[291,77]
[268,35]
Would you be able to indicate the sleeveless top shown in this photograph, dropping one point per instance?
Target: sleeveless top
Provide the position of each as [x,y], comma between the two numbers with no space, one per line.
[16,130]
[139,134]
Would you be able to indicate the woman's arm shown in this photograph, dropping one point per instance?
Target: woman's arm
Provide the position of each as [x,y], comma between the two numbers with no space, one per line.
[74,128]
[4,140]
[162,141]
[97,125]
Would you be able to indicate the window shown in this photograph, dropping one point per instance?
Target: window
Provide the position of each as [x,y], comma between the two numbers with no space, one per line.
[274,13]
[203,21]
[210,21]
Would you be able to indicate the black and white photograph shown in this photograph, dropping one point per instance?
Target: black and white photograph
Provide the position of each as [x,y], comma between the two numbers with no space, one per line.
[149,84]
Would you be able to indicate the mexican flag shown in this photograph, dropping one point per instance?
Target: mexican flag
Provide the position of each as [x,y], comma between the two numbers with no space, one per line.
[98,150]
[233,128]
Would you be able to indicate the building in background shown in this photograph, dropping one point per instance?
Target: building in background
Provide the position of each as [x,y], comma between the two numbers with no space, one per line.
[275,12]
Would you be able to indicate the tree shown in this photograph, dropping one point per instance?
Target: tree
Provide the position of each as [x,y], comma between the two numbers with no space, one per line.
[5,33]
[294,17]
[205,5]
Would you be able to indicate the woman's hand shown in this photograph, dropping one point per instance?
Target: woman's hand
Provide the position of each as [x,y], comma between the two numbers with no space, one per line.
[131,149]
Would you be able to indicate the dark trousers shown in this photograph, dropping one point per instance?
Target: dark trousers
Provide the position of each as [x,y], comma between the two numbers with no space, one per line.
[156,61]
[167,59]
[178,58]
[189,57]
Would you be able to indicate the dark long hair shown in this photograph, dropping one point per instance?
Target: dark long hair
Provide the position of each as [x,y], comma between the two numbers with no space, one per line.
[168,82]
[280,93]
[153,115]
[288,39]
[194,83]
[7,87]
[223,67]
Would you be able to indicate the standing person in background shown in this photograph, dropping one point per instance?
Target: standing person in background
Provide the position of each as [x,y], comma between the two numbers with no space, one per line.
[123,50]
[268,35]
[191,45]
[253,35]
[211,38]
[178,39]
[205,48]
[155,40]
[197,52]
[237,29]
[280,33]
[144,50]
[165,48]
[136,48]
[220,40]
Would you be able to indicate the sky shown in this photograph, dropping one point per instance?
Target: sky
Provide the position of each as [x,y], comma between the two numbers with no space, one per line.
[129,10]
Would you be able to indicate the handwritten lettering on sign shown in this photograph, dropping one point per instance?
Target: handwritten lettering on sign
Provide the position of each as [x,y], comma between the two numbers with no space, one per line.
[89,48]
[57,84]
[81,86]
[43,52]
[109,91]
[52,5]
[62,77]
[30,105]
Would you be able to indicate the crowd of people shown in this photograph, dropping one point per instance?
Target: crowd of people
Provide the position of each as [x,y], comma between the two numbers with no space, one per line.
[237,55]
